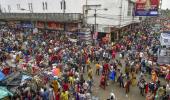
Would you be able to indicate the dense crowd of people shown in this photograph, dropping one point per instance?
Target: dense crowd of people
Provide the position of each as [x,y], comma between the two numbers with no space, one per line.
[56,68]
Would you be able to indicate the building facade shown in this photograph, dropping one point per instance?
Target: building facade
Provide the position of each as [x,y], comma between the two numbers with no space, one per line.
[119,13]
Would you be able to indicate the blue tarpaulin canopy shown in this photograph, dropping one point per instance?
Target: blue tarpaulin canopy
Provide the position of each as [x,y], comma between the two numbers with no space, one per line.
[4,92]
[2,76]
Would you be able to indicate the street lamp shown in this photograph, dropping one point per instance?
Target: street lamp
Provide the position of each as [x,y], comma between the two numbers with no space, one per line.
[95,16]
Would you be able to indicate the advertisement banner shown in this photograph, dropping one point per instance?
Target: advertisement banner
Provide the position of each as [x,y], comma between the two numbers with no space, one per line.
[40,24]
[55,26]
[146,7]
[27,24]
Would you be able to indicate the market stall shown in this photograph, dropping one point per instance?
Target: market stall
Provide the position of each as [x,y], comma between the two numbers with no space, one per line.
[165,39]
[164,51]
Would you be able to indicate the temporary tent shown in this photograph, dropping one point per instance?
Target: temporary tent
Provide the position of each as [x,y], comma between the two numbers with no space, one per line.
[165,39]
[4,93]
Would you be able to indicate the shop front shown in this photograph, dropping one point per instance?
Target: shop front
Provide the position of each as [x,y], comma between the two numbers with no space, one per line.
[114,33]
[27,24]
[40,24]
[103,37]
[55,26]
[27,27]
[72,27]
[14,24]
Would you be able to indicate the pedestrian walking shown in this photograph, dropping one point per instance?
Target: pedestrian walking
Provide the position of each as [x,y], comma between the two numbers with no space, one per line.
[141,85]
[103,81]
[120,80]
[97,68]
[127,86]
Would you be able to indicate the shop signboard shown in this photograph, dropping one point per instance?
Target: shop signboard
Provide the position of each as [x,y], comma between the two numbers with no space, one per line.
[40,24]
[55,26]
[146,7]
[27,24]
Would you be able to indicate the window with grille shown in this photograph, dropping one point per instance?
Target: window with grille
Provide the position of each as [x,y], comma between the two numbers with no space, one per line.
[9,8]
[45,5]
[18,6]
[30,6]
[130,8]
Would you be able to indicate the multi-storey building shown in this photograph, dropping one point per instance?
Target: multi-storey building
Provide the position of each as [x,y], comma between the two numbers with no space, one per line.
[119,13]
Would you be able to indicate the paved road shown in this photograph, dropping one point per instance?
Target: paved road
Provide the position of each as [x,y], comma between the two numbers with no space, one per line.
[119,92]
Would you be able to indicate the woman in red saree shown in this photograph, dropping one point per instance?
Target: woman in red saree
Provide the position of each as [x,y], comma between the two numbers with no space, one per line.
[103,81]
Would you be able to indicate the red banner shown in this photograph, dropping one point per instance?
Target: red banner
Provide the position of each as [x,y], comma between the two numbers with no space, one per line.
[55,26]
[40,24]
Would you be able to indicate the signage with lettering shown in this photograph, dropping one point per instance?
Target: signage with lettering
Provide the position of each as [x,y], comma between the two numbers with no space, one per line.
[146,7]
[55,26]
[40,24]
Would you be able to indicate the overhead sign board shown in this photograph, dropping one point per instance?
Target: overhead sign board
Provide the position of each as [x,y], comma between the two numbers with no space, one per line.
[146,7]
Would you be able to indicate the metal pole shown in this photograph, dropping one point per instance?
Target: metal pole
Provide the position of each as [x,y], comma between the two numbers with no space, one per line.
[95,29]
[86,11]
[160,7]
[120,16]
[46,23]
[64,8]
[120,19]
[31,14]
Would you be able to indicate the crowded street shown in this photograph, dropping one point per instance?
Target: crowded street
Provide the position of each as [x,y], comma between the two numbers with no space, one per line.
[57,67]
[64,56]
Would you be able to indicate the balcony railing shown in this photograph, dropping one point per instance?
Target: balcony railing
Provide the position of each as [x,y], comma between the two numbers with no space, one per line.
[59,17]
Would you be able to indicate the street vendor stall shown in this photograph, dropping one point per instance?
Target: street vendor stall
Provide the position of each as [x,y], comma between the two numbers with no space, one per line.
[164,51]
[165,39]
[4,93]
[2,76]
